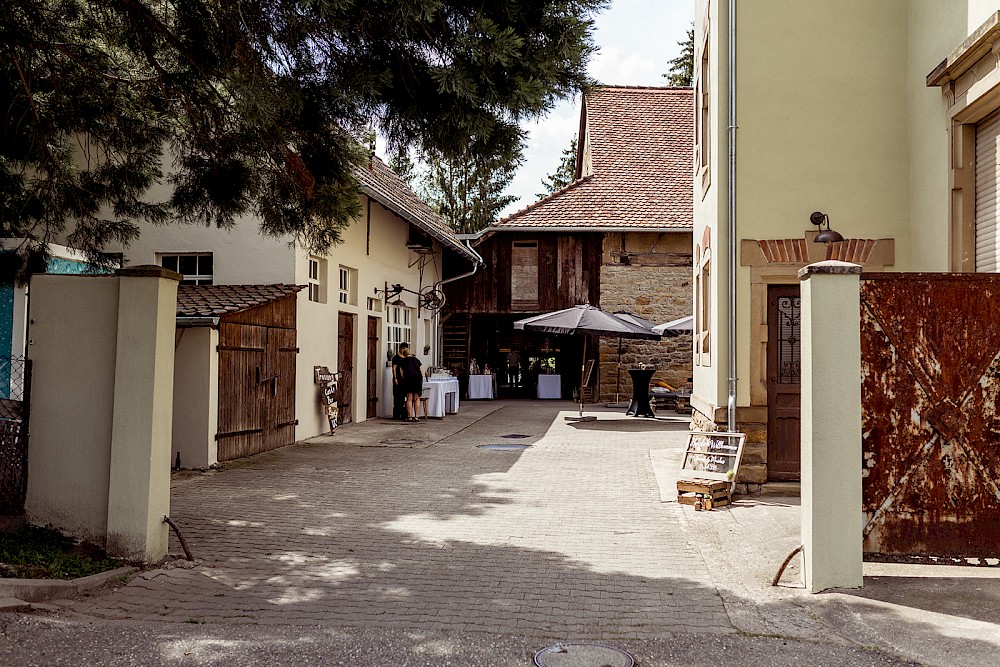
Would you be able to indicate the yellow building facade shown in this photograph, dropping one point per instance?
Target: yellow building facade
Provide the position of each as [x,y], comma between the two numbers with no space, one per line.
[870,112]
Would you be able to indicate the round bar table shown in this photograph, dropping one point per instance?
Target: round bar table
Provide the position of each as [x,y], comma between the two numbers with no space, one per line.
[639,407]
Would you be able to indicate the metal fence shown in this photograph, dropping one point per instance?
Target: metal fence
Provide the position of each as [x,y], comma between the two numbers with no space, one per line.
[15,388]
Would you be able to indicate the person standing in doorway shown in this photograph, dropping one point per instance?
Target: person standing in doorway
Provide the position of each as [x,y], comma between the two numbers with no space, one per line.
[398,392]
[412,381]
[513,368]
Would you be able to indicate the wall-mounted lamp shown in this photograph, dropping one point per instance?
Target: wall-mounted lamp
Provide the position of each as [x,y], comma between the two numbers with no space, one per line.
[390,292]
[827,235]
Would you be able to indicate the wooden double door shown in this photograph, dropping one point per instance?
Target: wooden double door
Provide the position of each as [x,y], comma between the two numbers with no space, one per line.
[256,389]
[784,382]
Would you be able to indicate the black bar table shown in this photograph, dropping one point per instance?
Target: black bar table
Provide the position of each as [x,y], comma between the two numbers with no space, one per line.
[639,407]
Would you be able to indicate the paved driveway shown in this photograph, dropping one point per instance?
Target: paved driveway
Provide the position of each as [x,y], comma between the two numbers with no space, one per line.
[565,539]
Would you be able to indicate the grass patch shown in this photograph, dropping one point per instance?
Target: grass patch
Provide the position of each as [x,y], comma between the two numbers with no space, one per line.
[44,553]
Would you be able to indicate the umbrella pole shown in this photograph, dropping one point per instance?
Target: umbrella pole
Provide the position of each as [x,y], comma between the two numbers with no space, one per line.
[618,380]
[583,370]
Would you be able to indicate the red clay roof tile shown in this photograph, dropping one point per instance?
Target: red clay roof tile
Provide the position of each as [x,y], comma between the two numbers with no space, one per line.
[218,300]
[641,147]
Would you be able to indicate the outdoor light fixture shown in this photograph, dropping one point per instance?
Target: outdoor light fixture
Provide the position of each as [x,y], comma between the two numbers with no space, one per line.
[390,292]
[827,235]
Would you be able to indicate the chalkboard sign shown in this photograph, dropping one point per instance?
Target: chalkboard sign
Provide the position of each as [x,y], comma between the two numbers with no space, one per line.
[713,455]
[329,395]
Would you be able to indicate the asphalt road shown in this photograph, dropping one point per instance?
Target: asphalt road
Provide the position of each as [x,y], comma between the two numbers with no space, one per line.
[41,640]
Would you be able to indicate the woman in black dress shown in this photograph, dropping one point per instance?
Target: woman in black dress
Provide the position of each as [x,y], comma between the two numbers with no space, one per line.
[413,382]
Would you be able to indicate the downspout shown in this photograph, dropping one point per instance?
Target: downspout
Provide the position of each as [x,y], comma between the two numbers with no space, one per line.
[479,261]
[731,95]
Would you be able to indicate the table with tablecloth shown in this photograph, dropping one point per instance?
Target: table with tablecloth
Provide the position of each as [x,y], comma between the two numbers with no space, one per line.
[549,386]
[480,387]
[442,394]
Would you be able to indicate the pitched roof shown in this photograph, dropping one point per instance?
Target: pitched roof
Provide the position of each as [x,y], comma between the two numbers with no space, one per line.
[386,187]
[218,300]
[641,147]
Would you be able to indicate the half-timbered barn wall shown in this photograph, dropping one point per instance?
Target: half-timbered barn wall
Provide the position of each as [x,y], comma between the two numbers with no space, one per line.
[568,273]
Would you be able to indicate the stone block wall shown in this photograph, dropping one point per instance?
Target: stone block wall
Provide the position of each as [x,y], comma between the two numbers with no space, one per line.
[659,294]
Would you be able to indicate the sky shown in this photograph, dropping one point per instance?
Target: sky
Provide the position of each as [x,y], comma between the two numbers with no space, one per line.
[637,41]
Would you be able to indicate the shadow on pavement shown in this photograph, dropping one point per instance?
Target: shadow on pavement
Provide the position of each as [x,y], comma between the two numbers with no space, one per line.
[974,598]
[566,540]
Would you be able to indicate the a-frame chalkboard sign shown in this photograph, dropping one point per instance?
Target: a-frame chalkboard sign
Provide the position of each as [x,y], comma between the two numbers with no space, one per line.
[708,471]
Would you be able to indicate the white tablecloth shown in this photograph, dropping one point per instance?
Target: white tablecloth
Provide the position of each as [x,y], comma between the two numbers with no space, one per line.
[549,386]
[385,400]
[443,395]
[480,387]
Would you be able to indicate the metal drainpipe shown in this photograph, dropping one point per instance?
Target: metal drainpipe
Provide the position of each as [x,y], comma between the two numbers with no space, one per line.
[475,267]
[731,94]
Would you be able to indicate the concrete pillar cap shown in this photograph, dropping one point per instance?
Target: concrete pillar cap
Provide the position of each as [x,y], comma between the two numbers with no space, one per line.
[829,267]
[148,271]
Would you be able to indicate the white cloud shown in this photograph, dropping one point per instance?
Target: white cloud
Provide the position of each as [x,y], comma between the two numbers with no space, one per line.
[611,66]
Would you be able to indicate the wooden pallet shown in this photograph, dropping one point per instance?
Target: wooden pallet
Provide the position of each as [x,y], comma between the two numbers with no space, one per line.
[688,491]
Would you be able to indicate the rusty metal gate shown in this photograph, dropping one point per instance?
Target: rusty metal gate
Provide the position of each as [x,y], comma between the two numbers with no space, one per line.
[15,390]
[930,357]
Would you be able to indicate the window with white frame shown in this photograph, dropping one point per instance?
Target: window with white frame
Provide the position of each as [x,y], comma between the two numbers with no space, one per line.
[315,280]
[196,268]
[344,295]
[347,286]
[400,328]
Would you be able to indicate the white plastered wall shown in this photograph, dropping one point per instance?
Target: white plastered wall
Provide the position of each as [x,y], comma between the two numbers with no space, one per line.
[196,397]
[70,455]
[379,254]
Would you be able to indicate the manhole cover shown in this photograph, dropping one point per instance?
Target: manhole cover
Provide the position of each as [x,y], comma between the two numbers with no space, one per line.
[504,446]
[515,436]
[400,441]
[582,655]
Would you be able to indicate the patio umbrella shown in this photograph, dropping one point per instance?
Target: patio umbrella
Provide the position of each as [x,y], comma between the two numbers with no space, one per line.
[639,322]
[584,319]
[673,328]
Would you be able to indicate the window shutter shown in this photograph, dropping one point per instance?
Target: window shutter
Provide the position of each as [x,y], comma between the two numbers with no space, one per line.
[987,174]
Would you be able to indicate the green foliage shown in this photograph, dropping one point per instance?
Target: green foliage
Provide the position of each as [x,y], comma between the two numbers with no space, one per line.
[564,173]
[682,67]
[467,190]
[44,553]
[257,108]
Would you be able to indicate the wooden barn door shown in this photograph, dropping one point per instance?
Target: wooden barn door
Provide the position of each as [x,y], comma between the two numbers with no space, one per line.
[279,422]
[345,358]
[784,382]
[256,389]
[373,367]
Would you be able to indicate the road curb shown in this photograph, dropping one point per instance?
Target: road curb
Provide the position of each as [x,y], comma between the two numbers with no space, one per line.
[40,590]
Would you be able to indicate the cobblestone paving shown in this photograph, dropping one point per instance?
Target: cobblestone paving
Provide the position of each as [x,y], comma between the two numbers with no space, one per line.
[565,539]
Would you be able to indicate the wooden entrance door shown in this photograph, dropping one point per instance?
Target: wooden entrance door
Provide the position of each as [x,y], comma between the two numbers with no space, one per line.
[345,364]
[784,369]
[373,367]
[256,389]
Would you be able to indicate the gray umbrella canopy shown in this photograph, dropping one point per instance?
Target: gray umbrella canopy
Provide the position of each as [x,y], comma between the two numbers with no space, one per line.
[585,320]
[684,325]
[634,319]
